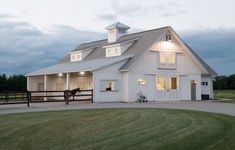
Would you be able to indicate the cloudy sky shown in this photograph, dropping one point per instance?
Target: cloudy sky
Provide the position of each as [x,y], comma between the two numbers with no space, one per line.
[38,33]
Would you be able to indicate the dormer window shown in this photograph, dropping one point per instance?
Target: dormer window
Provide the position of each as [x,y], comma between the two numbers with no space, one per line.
[76,56]
[113,51]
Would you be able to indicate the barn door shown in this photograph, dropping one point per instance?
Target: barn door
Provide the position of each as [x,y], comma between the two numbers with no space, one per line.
[193,90]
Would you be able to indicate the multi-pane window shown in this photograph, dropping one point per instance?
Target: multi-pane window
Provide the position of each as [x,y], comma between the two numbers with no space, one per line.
[167,83]
[161,83]
[167,60]
[76,56]
[109,85]
[204,83]
[114,51]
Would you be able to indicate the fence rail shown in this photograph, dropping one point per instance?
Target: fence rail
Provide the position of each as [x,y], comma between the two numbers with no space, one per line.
[21,97]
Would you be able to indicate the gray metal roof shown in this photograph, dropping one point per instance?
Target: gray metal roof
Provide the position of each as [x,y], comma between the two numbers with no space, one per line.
[142,43]
[80,66]
[118,25]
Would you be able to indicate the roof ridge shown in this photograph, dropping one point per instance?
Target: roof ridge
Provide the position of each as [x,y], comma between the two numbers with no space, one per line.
[127,34]
[146,31]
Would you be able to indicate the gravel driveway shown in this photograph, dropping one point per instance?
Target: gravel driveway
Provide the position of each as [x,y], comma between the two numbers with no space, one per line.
[208,106]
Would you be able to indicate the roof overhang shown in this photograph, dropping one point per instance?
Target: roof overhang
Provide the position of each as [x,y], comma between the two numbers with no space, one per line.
[72,67]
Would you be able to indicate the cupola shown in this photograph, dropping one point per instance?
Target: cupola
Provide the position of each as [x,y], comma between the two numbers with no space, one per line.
[115,31]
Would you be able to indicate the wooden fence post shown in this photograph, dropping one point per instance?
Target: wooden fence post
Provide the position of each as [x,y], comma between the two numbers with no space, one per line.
[28,98]
[66,97]
[92,96]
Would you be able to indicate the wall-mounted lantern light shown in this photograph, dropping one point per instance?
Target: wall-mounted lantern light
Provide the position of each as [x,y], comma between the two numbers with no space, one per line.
[141,81]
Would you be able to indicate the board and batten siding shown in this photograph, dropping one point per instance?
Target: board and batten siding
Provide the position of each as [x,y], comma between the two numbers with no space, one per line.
[207,89]
[186,70]
[108,73]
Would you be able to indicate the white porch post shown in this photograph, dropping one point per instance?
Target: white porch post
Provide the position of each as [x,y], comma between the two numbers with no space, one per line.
[45,87]
[67,81]
[28,83]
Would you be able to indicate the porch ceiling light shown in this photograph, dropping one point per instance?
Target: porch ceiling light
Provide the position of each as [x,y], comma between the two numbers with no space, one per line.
[60,74]
[82,73]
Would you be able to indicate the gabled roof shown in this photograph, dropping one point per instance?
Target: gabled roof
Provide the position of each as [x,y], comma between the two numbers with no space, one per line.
[118,25]
[143,41]
[204,64]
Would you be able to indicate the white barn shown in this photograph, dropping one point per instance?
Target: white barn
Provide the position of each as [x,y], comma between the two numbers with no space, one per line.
[156,62]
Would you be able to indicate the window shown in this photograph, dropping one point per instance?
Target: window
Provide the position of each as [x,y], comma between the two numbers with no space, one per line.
[167,60]
[141,81]
[109,85]
[161,83]
[168,37]
[40,87]
[76,56]
[114,51]
[167,83]
[204,83]
[173,83]
[162,58]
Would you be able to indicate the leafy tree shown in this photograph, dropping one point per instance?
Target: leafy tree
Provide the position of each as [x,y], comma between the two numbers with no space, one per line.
[13,83]
[225,82]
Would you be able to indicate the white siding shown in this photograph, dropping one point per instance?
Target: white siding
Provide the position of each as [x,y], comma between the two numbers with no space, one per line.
[186,70]
[149,62]
[207,89]
[33,82]
[108,73]
[134,87]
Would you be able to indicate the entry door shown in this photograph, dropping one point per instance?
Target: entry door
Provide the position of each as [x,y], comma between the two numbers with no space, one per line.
[193,90]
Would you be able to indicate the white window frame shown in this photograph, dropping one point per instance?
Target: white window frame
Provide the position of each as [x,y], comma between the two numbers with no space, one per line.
[115,87]
[76,56]
[167,80]
[167,63]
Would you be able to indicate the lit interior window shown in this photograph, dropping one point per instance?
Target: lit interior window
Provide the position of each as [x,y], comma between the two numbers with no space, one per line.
[141,81]
[171,58]
[173,83]
[170,83]
[162,58]
[161,83]
[167,58]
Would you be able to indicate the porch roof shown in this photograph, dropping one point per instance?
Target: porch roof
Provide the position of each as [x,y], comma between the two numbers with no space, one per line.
[70,67]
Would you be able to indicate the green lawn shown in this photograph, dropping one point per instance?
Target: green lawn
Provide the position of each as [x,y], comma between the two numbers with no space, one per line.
[225,95]
[117,129]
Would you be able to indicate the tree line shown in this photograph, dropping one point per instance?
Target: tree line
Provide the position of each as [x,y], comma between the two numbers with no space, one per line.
[224,82]
[13,83]
[19,82]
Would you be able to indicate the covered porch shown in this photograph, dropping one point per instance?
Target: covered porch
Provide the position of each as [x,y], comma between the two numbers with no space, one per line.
[61,81]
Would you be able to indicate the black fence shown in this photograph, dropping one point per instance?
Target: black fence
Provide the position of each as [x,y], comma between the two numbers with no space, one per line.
[27,97]
[13,97]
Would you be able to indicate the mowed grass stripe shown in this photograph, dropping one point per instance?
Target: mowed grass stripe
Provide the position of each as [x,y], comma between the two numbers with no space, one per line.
[117,129]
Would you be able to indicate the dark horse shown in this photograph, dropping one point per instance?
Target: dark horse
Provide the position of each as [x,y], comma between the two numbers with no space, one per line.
[74,91]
